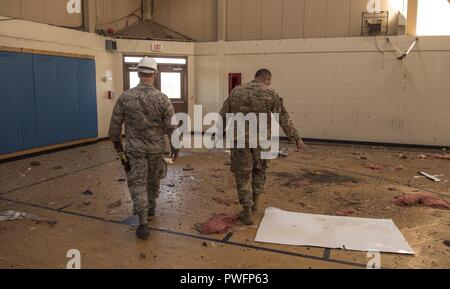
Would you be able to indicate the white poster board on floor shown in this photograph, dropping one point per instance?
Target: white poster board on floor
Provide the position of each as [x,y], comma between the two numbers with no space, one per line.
[354,234]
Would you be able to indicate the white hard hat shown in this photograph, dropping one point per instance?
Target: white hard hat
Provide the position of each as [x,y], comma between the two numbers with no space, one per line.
[148,65]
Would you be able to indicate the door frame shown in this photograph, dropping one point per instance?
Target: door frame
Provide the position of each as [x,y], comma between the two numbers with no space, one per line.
[183,103]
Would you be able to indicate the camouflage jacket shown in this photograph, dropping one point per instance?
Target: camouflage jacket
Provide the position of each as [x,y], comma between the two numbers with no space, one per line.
[253,97]
[147,114]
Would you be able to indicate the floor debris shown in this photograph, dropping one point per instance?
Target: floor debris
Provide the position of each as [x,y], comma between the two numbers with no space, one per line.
[344,213]
[88,193]
[35,164]
[374,167]
[422,157]
[121,180]
[421,199]
[58,168]
[218,224]
[209,244]
[283,154]
[188,168]
[441,156]
[402,156]
[226,202]
[354,234]
[115,205]
[447,243]
[430,177]
[313,177]
[13,215]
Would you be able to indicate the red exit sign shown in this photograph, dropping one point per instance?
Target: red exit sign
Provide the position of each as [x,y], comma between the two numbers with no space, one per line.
[157,47]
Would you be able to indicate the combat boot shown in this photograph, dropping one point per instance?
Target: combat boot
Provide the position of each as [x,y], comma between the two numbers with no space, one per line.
[143,232]
[246,216]
[255,203]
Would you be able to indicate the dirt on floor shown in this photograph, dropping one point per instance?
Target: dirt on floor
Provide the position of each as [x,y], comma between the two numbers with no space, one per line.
[84,191]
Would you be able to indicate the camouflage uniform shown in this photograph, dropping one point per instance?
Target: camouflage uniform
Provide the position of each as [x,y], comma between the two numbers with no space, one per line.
[246,164]
[147,114]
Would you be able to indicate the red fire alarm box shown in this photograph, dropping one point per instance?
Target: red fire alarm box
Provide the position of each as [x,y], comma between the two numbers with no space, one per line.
[111,94]
[234,79]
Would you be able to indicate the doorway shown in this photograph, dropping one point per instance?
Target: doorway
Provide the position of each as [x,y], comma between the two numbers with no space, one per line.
[171,79]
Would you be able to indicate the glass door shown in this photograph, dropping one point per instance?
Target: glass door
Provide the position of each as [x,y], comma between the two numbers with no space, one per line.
[171,79]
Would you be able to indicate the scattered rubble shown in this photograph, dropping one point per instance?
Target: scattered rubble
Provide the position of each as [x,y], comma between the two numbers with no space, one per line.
[35,164]
[430,177]
[345,213]
[115,205]
[188,168]
[209,244]
[403,156]
[88,193]
[314,177]
[283,153]
[422,156]
[58,168]
[226,202]
[422,199]
[218,224]
[374,167]
[13,215]
[441,156]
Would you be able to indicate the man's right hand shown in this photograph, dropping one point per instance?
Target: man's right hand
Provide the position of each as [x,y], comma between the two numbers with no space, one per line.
[301,145]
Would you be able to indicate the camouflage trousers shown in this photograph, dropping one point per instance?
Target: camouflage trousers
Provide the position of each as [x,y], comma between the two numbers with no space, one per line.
[250,173]
[144,179]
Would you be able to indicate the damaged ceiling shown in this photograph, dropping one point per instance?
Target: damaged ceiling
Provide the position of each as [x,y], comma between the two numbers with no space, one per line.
[149,30]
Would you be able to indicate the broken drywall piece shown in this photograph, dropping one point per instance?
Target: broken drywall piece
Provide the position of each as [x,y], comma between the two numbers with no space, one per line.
[13,215]
[354,234]
[430,177]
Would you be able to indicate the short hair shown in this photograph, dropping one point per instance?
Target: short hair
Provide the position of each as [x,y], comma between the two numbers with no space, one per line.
[263,73]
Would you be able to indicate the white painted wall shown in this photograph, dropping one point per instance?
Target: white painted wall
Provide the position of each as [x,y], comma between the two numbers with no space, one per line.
[343,88]
[335,88]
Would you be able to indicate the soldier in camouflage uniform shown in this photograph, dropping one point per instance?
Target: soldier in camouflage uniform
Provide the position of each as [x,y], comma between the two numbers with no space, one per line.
[147,114]
[246,164]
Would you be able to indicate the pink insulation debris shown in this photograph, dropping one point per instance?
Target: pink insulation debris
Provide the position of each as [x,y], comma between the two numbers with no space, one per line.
[422,199]
[218,224]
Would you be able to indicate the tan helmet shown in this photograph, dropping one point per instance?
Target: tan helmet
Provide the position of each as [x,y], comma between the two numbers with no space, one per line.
[147,65]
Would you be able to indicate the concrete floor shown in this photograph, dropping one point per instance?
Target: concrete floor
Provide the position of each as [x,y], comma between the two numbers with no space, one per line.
[87,223]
